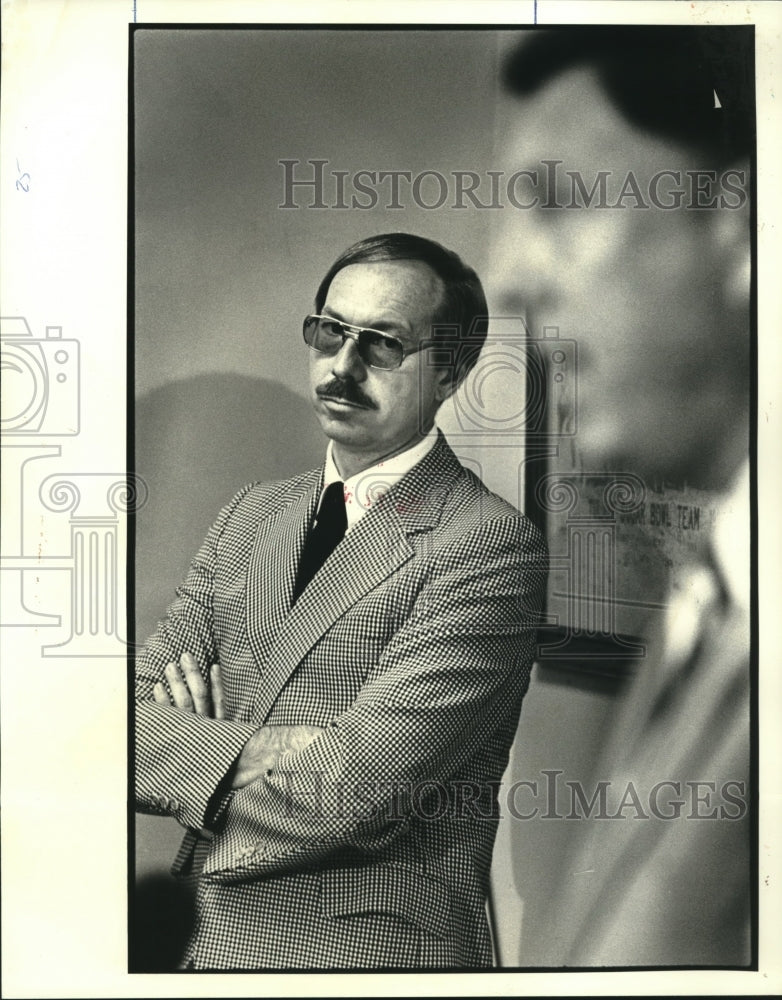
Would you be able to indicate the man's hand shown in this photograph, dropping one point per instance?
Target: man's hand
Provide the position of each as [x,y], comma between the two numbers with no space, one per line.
[264,748]
[189,689]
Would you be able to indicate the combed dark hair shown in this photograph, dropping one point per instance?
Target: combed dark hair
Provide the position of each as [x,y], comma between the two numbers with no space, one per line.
[661,78]
[460,323]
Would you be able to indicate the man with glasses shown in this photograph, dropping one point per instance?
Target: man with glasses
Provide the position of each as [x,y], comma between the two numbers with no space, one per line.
[329,704]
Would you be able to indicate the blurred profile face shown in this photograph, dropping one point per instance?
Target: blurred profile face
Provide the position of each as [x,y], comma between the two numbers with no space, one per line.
[656,299]
[369,413]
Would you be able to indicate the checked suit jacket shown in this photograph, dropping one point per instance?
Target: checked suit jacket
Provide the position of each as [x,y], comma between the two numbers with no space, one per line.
[412,648]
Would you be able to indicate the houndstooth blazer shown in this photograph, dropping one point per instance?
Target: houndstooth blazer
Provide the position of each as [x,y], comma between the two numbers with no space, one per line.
[412,647]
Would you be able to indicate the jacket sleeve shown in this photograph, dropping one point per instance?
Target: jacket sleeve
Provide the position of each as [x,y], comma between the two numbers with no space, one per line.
[451,677]
[181,757]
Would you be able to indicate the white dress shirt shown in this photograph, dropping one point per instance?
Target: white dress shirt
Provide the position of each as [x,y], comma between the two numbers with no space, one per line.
[368,487]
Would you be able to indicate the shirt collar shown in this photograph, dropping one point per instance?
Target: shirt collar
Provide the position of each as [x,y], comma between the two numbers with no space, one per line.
[366,488]
[715,582]
[731,540]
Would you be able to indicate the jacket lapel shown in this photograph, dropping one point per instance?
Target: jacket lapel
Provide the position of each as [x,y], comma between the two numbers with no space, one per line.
[374,549]
[272,570]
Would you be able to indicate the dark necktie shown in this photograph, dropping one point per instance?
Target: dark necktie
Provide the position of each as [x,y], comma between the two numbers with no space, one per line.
[324,536]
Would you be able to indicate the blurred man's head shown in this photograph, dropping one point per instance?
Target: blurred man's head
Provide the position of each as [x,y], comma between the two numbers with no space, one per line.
[639,246]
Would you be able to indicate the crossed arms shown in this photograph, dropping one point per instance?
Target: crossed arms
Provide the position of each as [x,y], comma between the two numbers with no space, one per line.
[190,693]
[447,685]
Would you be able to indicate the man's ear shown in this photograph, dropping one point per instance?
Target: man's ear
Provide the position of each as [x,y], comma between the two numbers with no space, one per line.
[731,234]
[446,384]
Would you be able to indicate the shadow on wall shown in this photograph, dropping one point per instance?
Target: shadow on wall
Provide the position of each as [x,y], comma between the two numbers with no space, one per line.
[162,917]
[198,440]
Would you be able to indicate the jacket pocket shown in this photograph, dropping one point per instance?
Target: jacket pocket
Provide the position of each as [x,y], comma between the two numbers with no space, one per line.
[403,892]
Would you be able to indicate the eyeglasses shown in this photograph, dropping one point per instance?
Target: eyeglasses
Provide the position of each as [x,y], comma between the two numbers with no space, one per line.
[376,349]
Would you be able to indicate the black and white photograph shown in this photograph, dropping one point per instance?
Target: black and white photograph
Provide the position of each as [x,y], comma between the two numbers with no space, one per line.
[453,328]
[388,532]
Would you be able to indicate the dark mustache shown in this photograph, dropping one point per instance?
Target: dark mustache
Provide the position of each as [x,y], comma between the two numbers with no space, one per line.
[347,390]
